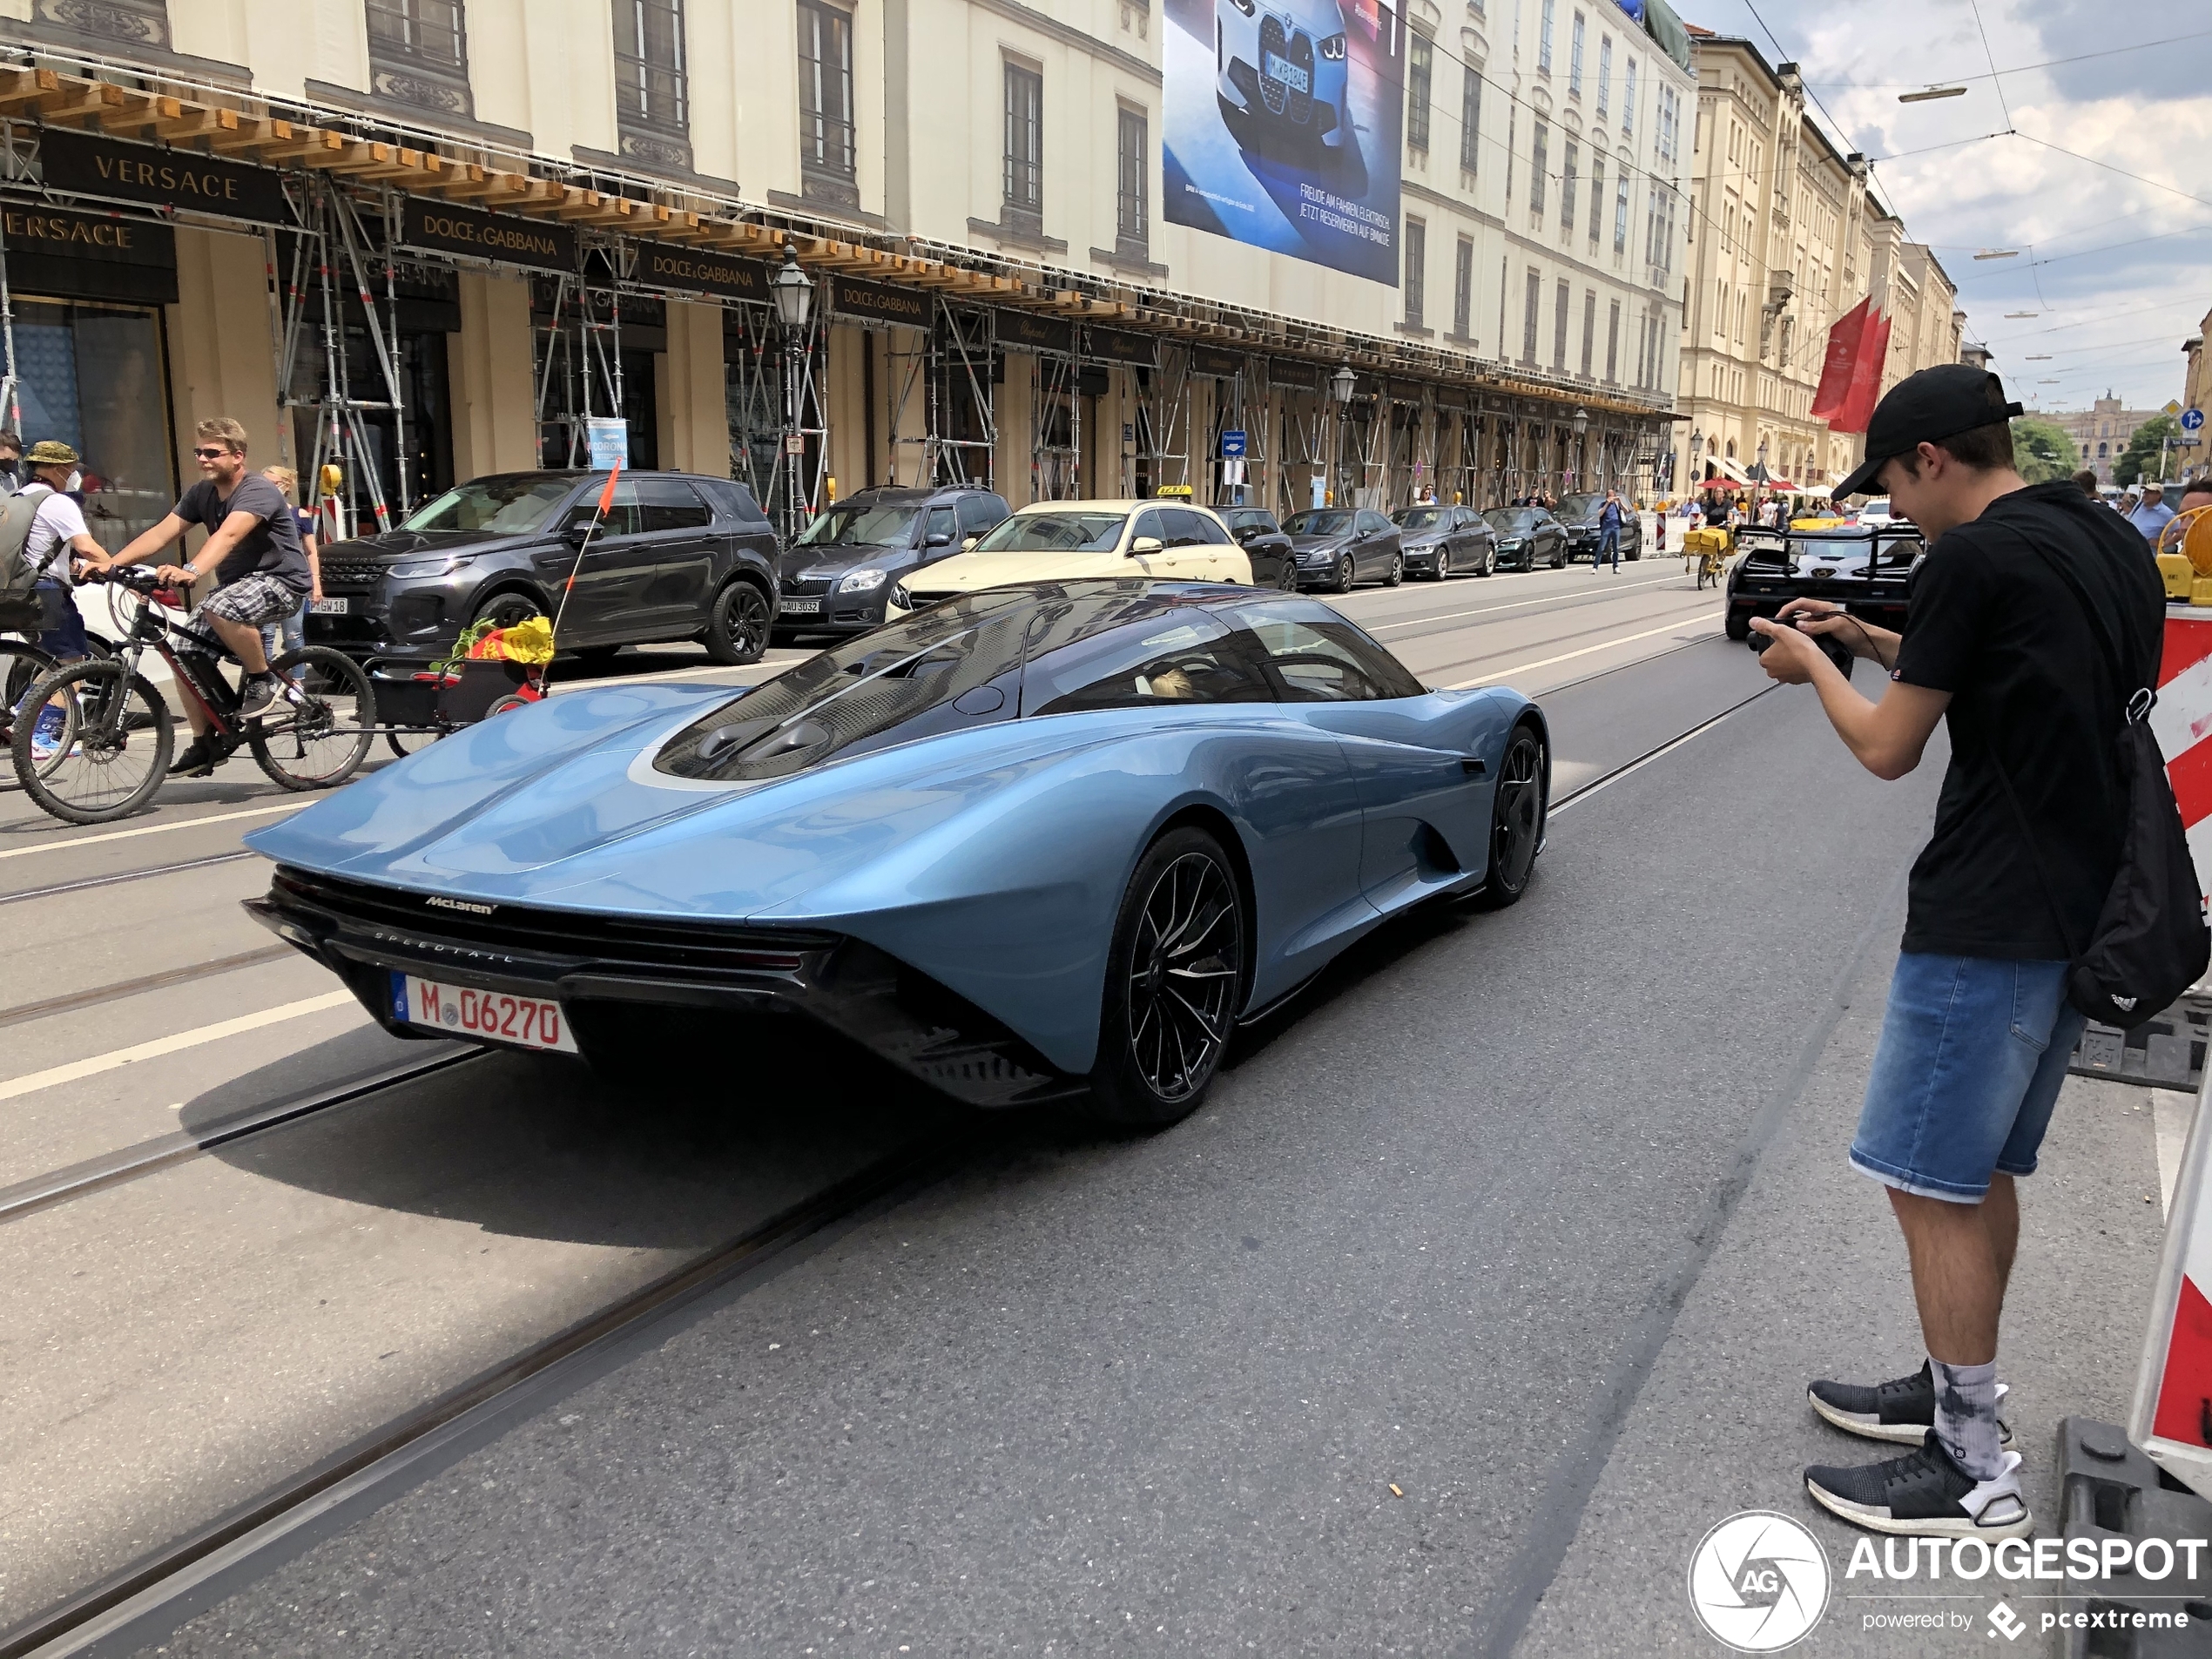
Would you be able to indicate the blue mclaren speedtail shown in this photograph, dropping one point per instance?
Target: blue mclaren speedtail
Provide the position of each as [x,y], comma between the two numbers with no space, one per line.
[1034,841]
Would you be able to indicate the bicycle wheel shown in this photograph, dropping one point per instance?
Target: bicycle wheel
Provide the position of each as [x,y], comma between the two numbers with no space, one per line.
[113,748]
[316,733]
[404,743]
[21,663]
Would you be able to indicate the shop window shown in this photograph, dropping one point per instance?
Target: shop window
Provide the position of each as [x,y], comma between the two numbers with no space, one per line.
[826,101]
[92,376]
[651,92]
[418,54]
[1024,142]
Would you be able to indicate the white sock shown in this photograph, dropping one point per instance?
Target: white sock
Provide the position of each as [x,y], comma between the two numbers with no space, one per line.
[1965,1416]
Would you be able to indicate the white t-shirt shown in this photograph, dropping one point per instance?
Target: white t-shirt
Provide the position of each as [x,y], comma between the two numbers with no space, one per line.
[58,521]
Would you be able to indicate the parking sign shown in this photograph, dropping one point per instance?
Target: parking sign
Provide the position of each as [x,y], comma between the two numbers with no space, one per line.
[1232,443]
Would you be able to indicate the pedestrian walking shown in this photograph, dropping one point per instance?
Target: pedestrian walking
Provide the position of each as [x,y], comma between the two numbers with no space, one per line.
[57,538]
[1608,532]
[253,548]
[2026,594]
[280,638]
[2153,514]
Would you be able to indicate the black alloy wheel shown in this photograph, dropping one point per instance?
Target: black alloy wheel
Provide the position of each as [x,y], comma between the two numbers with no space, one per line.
[507,609]
[1397,571]
[1175,981]
[1517,811]
[1439,564]
[1489,561]
[1561,560]
[1286,578]
[1348,573]
[737,632]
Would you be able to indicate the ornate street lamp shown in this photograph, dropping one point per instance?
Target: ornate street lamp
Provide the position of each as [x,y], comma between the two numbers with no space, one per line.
[1340,386]
[794,295]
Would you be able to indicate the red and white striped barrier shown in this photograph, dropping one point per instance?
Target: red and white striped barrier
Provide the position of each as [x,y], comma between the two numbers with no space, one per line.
[2182,724]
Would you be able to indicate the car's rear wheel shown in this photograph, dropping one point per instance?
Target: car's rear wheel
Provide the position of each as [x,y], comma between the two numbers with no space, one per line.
[738,631]
[1348,572]
[1517,811]
[1489,563]
[1175,979]
[1738,628]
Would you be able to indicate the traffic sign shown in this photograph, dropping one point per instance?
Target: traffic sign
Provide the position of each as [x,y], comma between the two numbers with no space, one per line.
[2172,408]
[2192,420]
[1232,443]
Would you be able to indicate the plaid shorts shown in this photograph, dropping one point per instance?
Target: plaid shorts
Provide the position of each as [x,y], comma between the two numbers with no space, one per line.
[252,600]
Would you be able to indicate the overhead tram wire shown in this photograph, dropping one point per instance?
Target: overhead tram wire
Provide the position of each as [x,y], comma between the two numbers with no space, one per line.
[2017,69]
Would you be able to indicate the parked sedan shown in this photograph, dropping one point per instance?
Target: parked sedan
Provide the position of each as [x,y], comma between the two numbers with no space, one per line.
[1528,536]
[1066,541]
[1339,548]
[1445,541]
[675,556]
[1580,514]
[836,576]
[1274,561]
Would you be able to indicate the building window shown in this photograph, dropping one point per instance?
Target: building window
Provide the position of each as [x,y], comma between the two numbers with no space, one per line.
[651,109]
[1569,160]
[1670,124]
[1544,42]
[1627,96]
[1604,73]
[1612,343]
[1538,146]
[1415,276]
[1463,288]
[1420,61]
[1471,117]
[1528,325]
[1562,302]
[1024,139]
[1597,198]
[1589,328]
[1620,212]
[825,92]
[418,53]
[1131,222]
[1575,59]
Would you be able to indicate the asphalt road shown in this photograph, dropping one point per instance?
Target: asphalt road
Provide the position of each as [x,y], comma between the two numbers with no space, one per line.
[1443,1220]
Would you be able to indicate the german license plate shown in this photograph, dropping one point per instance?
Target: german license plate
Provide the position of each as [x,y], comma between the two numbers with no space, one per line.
[329,607]
[1281,68]
[802,607]
[487,1016]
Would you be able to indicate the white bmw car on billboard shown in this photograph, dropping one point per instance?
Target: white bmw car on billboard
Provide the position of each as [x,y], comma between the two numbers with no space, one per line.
[1280,71]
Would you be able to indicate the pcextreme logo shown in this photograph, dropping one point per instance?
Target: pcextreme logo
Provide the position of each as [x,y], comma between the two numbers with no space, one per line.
[1758,1581]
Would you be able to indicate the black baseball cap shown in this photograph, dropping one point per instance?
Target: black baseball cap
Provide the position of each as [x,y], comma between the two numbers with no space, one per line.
[1926,407]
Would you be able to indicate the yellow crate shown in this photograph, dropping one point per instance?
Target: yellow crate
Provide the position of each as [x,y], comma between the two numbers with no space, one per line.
[2178,574]
[2201,591]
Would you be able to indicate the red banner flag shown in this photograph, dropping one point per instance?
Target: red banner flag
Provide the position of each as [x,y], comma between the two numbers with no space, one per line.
[1866,378]
[1842,357]
[607,495]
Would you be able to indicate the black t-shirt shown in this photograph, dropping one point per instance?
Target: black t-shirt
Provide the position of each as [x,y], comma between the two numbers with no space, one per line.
[1993,624]
[271,546]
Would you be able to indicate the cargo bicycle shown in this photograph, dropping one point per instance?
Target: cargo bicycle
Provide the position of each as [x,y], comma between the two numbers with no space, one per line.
[115,734]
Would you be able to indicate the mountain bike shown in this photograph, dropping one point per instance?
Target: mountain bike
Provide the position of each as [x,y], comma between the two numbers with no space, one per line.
[116,735]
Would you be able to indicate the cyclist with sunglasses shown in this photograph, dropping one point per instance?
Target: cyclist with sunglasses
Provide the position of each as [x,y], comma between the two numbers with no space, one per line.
[253,548]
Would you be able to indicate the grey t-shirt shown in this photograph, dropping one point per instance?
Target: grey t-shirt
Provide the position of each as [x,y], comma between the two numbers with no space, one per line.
[271,546]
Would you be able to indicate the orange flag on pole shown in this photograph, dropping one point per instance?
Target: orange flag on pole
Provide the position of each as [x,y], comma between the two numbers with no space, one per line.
[607,495]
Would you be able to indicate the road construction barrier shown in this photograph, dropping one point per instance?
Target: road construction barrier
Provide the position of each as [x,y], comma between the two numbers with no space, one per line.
[2151,1599]
[2171,1418]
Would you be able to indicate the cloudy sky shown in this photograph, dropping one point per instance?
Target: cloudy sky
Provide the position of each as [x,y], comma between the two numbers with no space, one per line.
[2117,269]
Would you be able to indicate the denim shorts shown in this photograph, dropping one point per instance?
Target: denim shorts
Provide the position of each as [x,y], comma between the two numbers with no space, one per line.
[66,640]
[1974,1050]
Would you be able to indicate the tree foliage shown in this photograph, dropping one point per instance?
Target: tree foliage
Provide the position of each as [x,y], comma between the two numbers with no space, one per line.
[2139,459]
[2042,451]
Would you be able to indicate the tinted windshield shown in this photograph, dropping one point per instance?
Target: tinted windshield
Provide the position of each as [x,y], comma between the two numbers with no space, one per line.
[1418,518]
[516,505]
[1055,532]
[859,523]
[1251,522]
[1510,518]
[886,684]
[1319,522]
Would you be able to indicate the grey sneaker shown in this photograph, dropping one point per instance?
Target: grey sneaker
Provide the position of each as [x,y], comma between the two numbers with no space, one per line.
[1925,1494]
[1901,1410]
[255,696]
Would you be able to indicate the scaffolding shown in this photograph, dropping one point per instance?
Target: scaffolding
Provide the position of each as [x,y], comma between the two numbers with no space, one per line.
[1304,446]
[758,389]
[1238,399]
[577,355]
[333,254]
[1055,422]
[1164,422]
[946,370]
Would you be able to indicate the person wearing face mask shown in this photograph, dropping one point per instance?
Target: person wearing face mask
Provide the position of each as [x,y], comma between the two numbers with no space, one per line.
[10,461]
[57,538]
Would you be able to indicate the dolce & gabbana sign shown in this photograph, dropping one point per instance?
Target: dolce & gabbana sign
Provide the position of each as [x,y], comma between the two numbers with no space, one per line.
[665,265]
[441,228]
[80,164]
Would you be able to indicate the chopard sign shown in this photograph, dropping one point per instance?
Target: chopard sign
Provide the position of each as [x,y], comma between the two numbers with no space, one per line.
[461,904]
[504,237]
[81,165]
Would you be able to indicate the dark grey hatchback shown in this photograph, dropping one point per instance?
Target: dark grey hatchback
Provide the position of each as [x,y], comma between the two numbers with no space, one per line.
[677,556]
[836,576]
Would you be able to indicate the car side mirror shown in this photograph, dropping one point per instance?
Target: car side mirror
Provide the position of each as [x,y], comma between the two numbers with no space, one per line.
[575,534]
[969,542]
[1146,544]
[937,538]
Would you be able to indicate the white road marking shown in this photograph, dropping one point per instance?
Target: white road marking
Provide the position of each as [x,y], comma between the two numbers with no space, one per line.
[152,829]
[95,1064]
[1569,657]
[1518,604]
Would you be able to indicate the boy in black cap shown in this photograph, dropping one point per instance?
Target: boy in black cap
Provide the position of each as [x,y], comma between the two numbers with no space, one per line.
[2004,640]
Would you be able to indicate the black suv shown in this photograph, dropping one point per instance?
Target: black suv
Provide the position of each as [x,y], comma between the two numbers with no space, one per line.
[677,556]
[836,575]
